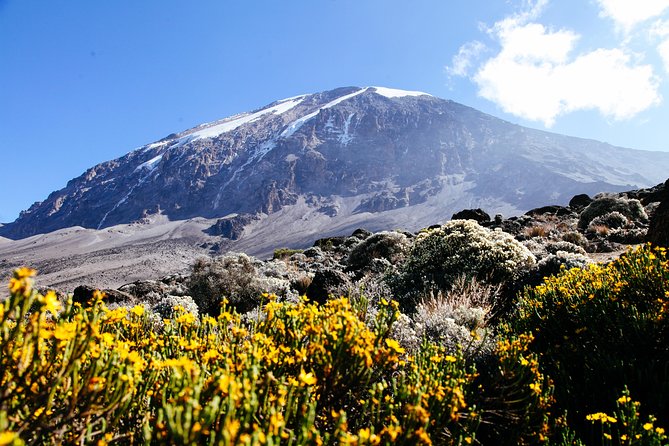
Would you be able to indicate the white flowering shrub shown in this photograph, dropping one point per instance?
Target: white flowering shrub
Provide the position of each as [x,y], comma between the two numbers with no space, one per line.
[459,247]
[612,220]
[606,204]
[403,330]
[460,328]
[554,262]
[458,319]
[165,306]
[562,245]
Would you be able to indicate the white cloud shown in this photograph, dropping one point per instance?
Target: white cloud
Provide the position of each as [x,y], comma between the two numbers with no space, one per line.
[663,49]
[463,61]
[659,29]
[538,74]
[629,13]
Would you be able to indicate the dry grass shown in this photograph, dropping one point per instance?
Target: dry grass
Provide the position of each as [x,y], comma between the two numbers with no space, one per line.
[537,231]
[465,293]
[602,230]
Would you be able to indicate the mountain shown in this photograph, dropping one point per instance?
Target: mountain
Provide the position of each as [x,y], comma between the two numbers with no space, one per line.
[343,157]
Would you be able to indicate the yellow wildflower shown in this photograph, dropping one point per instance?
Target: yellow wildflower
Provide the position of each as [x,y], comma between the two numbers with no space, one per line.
[50,302]
[307,378]
[137,310]
[9,438]
[395,346]
[65,331]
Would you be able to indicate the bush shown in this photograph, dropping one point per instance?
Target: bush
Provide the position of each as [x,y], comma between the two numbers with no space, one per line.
[284,253]
[165,307]
[458,247]
[602,328]
[575,238]
[612,220]
[391,246]
[458,319]
[554,263]
[555,247]
[304,374]
[602,205]
[235,277]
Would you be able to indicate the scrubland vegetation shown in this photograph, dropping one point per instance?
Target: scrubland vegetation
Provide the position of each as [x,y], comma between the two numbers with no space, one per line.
[458,335]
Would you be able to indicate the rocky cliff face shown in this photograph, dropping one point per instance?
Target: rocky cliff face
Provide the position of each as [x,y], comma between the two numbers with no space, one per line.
[344,152]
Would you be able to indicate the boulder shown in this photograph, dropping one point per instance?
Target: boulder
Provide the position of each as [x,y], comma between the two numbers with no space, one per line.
[361,233]
[658,228]
[328,282]
[231,227]
[558,211]
[478,215]
[579,202]
[84,294]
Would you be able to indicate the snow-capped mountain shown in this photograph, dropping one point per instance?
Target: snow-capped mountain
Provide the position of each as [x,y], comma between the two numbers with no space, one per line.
[369,156]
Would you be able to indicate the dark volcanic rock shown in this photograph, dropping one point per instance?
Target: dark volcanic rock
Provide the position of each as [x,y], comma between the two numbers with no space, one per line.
[327,282]
[361,233]
[84,293]
[382,202]
[648,195]
[479,215]
[658,229]
[231,227]
[329,242]
[559,211]
[580,202]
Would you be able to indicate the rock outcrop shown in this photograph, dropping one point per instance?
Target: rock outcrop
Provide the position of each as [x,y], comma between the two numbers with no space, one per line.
[658,228]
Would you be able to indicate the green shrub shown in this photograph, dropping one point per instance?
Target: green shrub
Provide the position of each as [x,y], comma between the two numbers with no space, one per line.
[602,328]
[458,247]
[284,253]
[515,398]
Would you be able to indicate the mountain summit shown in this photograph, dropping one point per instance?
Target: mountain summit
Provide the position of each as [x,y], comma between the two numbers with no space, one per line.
[375,156]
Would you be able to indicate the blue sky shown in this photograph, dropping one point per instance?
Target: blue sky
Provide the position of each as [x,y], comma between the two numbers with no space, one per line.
[82,82]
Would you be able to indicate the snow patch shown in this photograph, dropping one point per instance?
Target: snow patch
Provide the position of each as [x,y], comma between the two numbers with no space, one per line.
[345,137]
[150,164]
[395,93]
[154,145]
[295,125]
[236,121]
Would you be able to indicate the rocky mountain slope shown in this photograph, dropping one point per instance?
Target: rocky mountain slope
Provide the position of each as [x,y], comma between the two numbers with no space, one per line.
[338,159]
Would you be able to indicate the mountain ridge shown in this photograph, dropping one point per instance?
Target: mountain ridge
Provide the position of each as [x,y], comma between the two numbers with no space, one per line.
[389,149]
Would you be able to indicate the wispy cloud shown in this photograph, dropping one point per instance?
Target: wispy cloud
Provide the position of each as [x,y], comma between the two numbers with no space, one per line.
[628,14]
[466,57]
[538,74]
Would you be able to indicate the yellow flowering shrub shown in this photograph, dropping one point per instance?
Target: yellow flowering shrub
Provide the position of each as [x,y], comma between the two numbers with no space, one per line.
[300,374]
[600,329]
[625,426]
